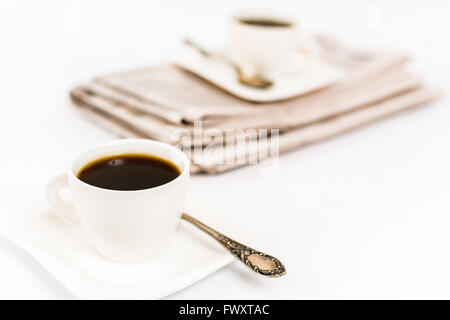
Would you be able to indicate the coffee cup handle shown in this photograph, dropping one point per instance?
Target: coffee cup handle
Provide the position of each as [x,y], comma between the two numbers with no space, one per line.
[62,209]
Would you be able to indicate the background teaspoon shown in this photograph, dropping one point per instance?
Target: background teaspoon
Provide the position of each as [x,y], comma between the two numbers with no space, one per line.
[252,80]
[258,262]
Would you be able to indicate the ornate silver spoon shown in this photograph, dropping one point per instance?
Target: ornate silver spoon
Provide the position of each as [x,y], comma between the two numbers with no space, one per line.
[257,261]
[252,80]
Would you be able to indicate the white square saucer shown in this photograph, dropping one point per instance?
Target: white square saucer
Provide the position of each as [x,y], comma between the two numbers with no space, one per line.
[313,76]
[62,249]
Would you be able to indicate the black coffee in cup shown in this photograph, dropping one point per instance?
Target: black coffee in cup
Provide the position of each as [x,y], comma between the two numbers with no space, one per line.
[128,172]
[265,22]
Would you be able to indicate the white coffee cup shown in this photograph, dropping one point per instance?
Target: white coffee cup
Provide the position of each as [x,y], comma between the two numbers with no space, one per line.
[268,49]
[124,226]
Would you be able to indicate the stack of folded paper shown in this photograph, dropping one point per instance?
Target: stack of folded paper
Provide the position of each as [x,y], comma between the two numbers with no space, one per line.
[169,104]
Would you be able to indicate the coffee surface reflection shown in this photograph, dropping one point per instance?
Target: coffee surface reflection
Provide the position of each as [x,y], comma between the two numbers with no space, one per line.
[128,172]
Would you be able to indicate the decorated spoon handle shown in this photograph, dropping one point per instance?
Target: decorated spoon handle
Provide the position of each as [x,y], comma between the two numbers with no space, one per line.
[257,261]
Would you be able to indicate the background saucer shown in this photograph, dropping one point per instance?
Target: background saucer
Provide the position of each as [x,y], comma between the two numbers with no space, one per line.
[315,75]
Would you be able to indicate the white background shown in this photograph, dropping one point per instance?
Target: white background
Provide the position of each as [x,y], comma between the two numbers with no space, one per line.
[363,215]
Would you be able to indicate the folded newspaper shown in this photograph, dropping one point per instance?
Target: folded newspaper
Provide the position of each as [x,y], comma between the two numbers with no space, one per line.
[220,132]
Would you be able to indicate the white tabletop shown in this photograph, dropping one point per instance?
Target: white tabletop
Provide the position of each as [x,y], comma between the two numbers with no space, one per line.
[363,215]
